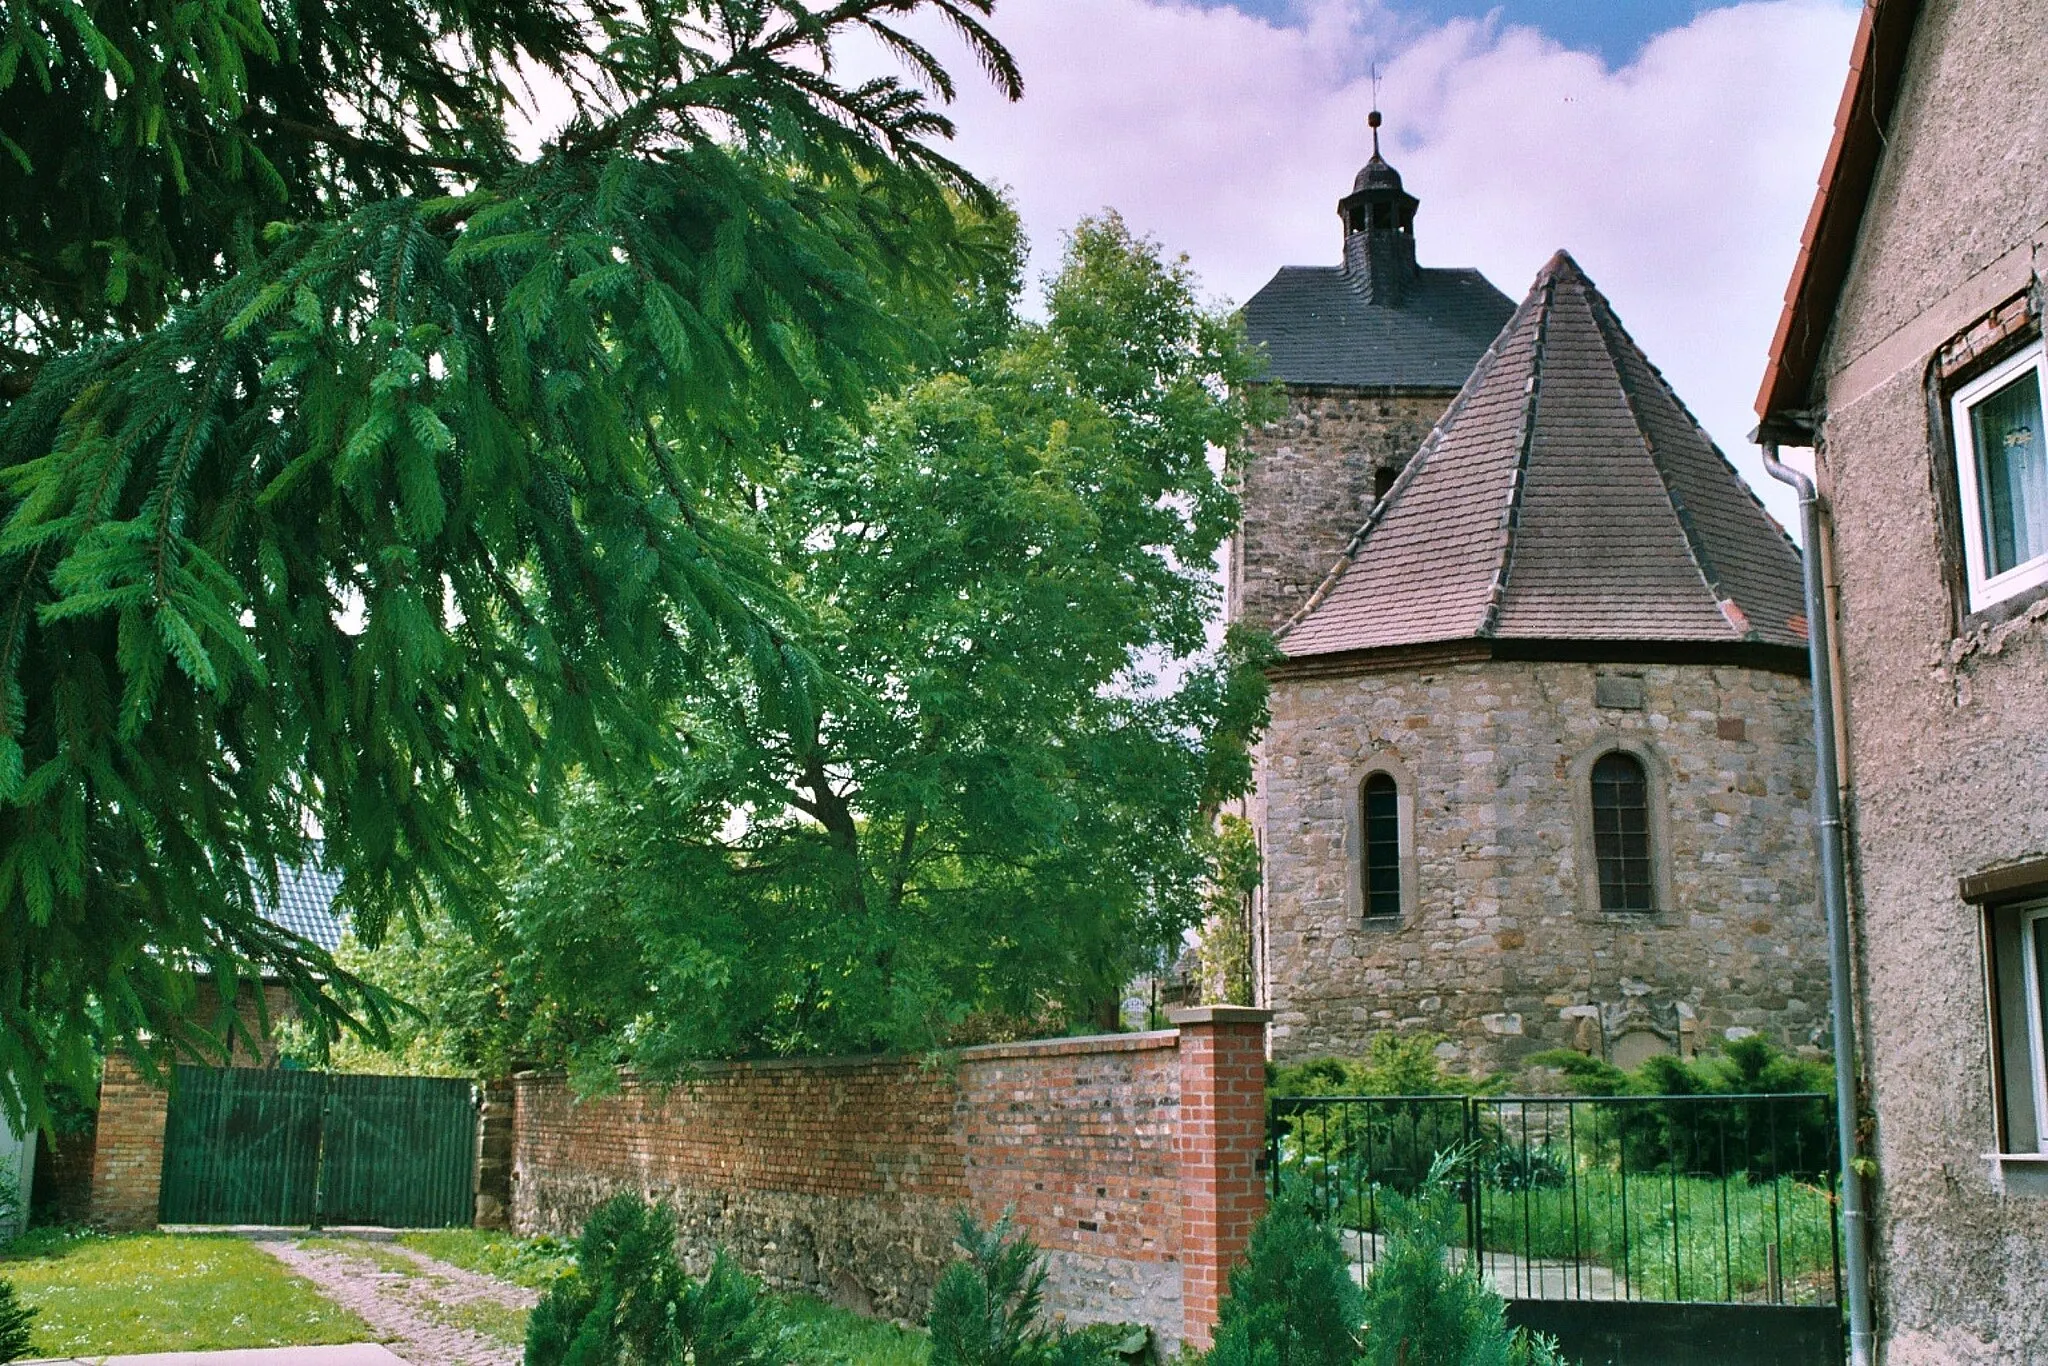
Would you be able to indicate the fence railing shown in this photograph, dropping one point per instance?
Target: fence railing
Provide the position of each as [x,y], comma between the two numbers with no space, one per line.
[1701,1199]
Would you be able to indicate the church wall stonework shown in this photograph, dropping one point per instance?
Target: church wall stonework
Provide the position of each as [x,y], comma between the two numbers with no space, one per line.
[1309,484]
[1504,949]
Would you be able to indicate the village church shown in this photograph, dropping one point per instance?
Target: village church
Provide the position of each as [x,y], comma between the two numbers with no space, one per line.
[1540,759]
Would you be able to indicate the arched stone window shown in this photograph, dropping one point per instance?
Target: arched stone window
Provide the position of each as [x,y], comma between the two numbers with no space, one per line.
[1379,841]
[1380,825]
[1621,833]
[1624,840]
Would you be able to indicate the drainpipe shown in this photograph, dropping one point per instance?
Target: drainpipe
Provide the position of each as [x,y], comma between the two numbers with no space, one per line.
[1835,899]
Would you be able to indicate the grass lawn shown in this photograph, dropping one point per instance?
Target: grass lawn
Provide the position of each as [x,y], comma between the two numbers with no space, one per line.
[1682,1238]
[533,1262]
[815,1333]
[158,1292]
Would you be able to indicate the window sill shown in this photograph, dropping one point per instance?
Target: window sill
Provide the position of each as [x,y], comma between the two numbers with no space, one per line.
[1385,923]
[2005,609]
[2019,1173]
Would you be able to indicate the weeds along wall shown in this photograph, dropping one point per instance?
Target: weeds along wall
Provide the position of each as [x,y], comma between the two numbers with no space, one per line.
[1133,1160]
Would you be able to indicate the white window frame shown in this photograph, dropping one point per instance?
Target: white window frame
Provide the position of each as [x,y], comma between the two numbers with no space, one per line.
[2033,929]
[1987,590]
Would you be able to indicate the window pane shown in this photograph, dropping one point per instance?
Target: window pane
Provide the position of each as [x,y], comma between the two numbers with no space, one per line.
[2040,938]
[2012,473]
[1382,846]
[1621,833]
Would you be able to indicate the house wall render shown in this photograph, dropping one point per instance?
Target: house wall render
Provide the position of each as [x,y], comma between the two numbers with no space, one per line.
[1947,733]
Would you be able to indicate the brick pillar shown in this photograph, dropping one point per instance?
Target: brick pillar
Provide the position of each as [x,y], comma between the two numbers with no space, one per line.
[128,1149]
[1221,1143]
[494,1156]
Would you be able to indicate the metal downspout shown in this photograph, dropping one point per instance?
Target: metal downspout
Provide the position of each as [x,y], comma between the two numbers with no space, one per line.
[1835,899]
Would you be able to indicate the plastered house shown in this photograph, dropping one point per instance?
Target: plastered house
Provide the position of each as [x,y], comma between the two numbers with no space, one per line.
[1910,359]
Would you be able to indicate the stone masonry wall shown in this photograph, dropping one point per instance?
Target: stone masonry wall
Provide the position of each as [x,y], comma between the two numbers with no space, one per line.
[1501,950]
[1947,717]
[1309,484]
[844,1178]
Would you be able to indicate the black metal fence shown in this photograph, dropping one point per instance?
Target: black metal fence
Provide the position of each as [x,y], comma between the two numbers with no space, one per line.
[1685,1199]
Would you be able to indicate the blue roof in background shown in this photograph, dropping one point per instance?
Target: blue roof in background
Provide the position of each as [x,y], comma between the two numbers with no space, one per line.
[305,904]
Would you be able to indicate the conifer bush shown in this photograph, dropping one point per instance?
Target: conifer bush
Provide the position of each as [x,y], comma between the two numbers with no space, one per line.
[1292,1302]
[630,1301]
[986,1309]
[14,1324]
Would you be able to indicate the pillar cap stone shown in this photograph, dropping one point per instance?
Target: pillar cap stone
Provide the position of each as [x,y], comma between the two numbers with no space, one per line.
[1198,1015]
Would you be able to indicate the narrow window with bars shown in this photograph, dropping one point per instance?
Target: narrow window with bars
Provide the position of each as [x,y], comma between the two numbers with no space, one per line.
[1382,862]
[1621,833]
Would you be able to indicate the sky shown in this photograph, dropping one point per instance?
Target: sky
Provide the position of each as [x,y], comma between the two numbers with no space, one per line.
[1671,145]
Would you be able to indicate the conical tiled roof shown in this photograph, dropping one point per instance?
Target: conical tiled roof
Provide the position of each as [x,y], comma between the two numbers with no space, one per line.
[1566,495]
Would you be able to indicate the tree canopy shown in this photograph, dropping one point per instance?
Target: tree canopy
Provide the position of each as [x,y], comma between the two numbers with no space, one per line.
[363,475]
[999,808]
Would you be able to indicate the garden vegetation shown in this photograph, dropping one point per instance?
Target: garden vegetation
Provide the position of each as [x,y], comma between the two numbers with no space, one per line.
[371,454]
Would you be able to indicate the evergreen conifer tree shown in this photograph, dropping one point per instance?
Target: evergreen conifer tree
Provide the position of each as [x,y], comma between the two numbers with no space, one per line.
[629,1301]
[364,470]
[1293,1301]
[15,1320]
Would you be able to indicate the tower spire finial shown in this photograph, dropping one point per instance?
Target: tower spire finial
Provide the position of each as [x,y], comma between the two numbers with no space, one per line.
[1372,121]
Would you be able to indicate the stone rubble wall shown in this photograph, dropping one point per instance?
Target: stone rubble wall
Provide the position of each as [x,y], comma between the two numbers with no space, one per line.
[1502,952]
[1309,484]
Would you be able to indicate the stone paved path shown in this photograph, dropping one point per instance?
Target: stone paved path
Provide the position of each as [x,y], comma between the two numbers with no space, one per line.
[428,1312]
[1510,1276]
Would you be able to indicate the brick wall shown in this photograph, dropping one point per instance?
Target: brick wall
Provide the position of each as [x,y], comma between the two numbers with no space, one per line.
[843,1177]
[128,1147]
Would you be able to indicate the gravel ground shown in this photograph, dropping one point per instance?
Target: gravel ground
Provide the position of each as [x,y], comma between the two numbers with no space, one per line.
[428,1312]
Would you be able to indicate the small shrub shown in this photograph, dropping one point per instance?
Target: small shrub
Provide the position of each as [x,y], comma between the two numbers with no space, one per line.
[630,1301]
[1764,1139]
[14,1324]
[986,1307]
[1420,1308]
[1292,1302]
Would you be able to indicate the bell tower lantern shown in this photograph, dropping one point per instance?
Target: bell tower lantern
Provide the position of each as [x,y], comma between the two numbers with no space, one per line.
[1379,228]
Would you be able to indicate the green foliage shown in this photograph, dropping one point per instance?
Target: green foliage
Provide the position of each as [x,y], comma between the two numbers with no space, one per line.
[1225,950]
[1421,1308]
[997,809]
[1395,1064]
[985,1309]
[361,473]
[1337,1160]
[631,1302]
[1672,1237]
[15,1319]
[536,1263]
[1765,1139]
[1292,1302]
[811,1332]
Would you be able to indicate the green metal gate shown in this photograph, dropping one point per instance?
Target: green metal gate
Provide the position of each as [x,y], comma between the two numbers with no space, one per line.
[250,1146]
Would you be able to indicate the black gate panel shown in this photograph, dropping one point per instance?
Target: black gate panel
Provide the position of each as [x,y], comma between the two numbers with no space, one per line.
[1650,1333]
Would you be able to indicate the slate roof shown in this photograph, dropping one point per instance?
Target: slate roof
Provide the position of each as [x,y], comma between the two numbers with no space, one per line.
[1318,328]
[305,904]
[1566,495]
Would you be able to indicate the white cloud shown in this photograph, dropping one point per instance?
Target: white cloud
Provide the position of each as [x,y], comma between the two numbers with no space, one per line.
[1680,181]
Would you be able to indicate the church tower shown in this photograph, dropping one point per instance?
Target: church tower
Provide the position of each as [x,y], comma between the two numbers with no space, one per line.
[1368,354]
